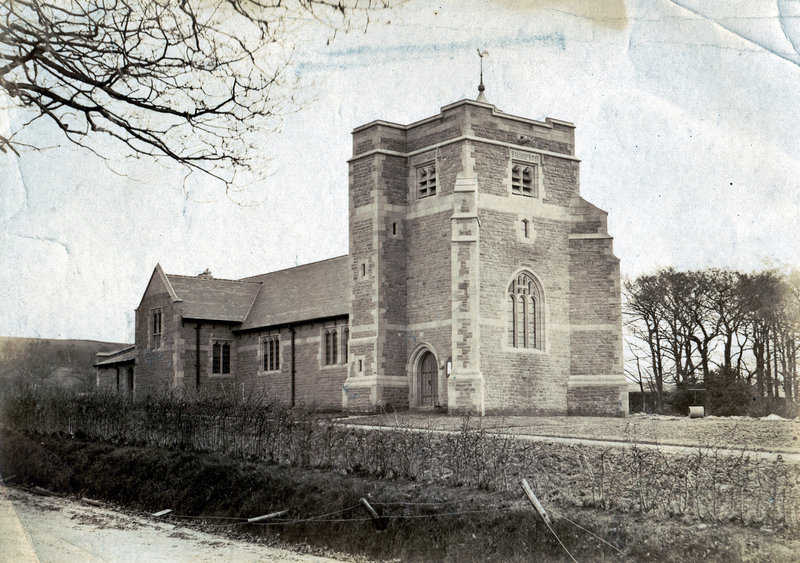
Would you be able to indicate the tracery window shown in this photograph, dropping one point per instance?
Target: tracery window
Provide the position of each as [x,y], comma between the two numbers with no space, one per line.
[524,309]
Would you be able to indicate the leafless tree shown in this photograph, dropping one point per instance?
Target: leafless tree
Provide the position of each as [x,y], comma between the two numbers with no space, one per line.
[196,82]
[715,327]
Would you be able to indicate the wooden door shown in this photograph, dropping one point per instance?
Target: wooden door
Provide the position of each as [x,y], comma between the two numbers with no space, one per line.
[429,380]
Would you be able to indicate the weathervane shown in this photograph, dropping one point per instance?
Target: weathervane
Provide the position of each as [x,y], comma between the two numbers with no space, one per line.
[481,87]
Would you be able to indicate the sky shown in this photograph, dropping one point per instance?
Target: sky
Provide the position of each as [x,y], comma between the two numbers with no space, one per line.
[687,120]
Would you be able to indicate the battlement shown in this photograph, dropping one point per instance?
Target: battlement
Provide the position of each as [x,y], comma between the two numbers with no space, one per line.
[465,120]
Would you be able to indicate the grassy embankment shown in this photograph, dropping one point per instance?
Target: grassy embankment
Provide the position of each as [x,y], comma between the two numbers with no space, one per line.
[442,497]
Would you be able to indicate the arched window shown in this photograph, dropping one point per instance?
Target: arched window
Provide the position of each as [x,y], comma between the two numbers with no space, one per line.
[512,320]
[525,313]
[329,344]
[271,353]
[334,345]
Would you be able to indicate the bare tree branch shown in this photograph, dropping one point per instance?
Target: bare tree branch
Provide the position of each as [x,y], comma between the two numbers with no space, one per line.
[196,82]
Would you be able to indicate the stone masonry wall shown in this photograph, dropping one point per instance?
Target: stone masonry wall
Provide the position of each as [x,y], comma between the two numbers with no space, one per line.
[155,366]
[209,333]
[519,379]
[598,385]
[391,235]
[316,385]
[107,379]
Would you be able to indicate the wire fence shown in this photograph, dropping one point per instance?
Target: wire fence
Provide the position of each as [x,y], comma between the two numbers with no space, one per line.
[505,506]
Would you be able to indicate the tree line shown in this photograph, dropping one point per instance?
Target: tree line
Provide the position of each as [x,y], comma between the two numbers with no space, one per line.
[725,339]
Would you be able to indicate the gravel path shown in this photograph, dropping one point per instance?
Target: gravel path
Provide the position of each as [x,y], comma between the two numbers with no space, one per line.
[49,528]
[773,436]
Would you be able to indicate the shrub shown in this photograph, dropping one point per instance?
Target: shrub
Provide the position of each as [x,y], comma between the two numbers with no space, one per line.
[728,396]
[708,482]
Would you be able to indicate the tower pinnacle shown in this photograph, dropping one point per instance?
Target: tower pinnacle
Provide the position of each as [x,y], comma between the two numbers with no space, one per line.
[481,88]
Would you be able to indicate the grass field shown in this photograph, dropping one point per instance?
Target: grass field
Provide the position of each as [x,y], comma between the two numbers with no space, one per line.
[730,432]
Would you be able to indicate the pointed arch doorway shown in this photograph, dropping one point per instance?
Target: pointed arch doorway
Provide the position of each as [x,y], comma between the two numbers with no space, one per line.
[428,378]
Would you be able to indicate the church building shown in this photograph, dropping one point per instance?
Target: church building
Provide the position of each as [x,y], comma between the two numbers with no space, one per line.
[477,279]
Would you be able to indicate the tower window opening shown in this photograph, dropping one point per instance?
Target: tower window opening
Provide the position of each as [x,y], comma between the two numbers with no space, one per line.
[426,180]
[522,180]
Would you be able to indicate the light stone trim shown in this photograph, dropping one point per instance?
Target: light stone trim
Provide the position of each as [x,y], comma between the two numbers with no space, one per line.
[423,158]
[376,379]
[584,236]
[459,139]
[595,327]
[540,209]
[362,339]
[611,380]
[420,326]
[547,124]
[526,156]
[426,206]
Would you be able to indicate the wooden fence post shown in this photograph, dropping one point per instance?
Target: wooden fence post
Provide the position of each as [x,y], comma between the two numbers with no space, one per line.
[534,501]
[380,524]
[267,516]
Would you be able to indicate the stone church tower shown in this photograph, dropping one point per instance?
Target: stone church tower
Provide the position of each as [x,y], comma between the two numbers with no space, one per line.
[477,280]
[481,280]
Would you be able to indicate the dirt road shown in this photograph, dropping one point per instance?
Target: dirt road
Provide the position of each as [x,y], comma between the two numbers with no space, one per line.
[43,528]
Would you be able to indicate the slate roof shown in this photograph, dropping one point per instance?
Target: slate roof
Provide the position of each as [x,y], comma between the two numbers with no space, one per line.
[311,291]
[123,356]
[212,299]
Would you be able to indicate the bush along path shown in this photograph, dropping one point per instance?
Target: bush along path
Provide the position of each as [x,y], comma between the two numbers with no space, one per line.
[421,521]
[712,484]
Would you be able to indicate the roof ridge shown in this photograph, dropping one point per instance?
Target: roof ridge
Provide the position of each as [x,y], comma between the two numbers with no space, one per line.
[242,280]
[249,278]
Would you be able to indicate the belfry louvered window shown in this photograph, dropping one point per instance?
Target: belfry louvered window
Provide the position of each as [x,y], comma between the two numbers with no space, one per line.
[523,179]
[524,310]
[426,180]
